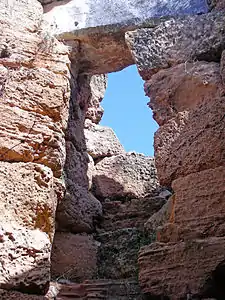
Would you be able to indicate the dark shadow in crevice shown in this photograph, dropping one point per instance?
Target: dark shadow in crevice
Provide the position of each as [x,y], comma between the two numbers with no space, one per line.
[215,284]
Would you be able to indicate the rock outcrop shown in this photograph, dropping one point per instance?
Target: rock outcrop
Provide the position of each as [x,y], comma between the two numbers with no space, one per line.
[125,175]
[184,80]
[101,141]
[61,171]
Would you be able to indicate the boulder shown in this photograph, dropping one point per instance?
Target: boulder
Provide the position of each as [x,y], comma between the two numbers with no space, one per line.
[89,13]
[101,141]
[177,41]
[125,175]
[74,257]
[100,27]
[79,211]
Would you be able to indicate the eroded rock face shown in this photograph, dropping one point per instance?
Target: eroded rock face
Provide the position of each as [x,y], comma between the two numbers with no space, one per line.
[28,204]
[91,13]
[74,257]
[79,211]
[32,129]
[131,213]
[181,99]
[98,86]
[34,92]
[180,269]
[25,256]
[101,141]
[27,196]
[176,41]
[125,175]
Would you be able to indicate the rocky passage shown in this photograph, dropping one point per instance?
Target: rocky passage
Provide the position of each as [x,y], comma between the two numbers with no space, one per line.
[80,218]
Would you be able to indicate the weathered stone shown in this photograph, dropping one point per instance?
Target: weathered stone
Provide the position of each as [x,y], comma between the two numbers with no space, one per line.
[131,213]
[74,257]
[98,87]
[25,258]
[27,213]
[117,257]
[175,270]
[90,171]
[177,41]
[187,101]
[199,209]
[67,18]
[160,217]
[33,68]
[101,141]
[76,165]
[100,289]
[12,295]
[79,211]
[125,175]
[27,196]
[101,35]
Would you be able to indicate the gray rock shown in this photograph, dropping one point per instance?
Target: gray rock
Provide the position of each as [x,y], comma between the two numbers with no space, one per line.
[68,17]
[97,86]
[101,141]
[100,26]
[125,175]
[79,211]
[177,41]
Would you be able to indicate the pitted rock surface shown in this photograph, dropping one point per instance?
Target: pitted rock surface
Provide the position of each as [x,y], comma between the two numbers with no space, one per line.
[101,141]
[125,175]
[74,257]
[79,211]
[177,41]
[73,15]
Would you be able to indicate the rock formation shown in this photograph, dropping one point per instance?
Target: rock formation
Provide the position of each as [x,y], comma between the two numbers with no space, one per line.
[80,218]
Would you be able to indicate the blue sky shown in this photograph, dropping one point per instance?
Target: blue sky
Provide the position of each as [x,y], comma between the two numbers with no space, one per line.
[126,111]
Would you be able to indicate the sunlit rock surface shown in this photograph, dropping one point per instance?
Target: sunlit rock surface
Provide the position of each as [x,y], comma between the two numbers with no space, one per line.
[67,16]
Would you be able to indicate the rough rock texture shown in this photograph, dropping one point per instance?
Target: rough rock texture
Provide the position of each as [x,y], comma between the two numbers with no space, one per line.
[101,141]
[28,204]
[125,175]
[176,41]
[68,17]
[98,86]
[131,213]
[32,129]
[25,258]
[27,196]
[216,4]
[187,100]
[34,93]
[118,253]
[79,211]
[187,103]
[74,257]
[199,207]
[100,289]
[100,26]
[179,269]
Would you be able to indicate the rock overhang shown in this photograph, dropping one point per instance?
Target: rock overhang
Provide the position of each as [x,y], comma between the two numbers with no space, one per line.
[73,15]
[98,27]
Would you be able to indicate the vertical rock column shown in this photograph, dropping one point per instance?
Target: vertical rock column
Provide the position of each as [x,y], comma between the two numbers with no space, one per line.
[34,104]
[182,62]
